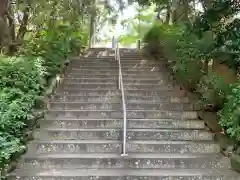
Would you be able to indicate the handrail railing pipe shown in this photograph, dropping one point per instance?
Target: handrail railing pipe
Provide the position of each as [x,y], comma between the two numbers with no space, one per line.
[121,87]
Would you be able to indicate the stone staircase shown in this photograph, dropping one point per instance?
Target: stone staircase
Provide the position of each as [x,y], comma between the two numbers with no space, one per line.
[81,135]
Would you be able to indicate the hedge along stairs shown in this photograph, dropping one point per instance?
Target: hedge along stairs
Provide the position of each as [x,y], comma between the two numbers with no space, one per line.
[81,135]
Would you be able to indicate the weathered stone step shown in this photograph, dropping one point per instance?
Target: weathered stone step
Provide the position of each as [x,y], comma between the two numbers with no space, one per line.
[132,93]
[112,81]
[116,134]
[112,114]
[117,98]
[108,104]
[110,61]
[115,146]
[115,76]
[86,86]
[118,123]
[114,65]
[125,79]
[75,146]
[76,81]
[91,99]
[115,69]
[78,87]
[125,174]
[112,73]
[134,160]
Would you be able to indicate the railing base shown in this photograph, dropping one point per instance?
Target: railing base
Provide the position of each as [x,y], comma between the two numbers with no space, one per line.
[124,155]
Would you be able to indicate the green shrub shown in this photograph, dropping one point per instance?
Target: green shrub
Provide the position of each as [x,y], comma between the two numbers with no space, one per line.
[230,114]
[152,39]
[227,45]
[21,83]
[213,90]
[23,79]
[54,46]
[185,53]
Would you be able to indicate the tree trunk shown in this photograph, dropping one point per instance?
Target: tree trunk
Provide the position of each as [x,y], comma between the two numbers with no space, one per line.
[206,4]
[181,11]
[23,27]
[92,24]
[168,15]
[4,32]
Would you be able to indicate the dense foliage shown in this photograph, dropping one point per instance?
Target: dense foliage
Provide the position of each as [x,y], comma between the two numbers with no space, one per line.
[181,49]
[33,51]
[230,114]
[21,84]
[213,36]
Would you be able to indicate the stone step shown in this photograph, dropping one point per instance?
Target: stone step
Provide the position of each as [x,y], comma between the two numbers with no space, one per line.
[128,93]
[79,87]
[111,61]
[151,68]
[116,114]
[116,134]
[118,123]
[132,161]
[108,104]
[114,65]
[117,98]
[113,73]
[115,76]
[78,81]
[124,174]
[115,146]
[84,86]
[113,81]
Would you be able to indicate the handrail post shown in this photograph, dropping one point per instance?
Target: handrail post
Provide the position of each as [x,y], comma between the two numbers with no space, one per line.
[113,42]
[121,87]
[138,44]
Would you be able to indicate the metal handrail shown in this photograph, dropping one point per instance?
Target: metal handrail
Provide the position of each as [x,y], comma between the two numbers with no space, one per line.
[121,87]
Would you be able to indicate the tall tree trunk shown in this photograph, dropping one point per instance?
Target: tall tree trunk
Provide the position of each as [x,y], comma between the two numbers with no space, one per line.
[4,32]
[168,15]
[206,4]
[181,11]
[23,27]
[92,24]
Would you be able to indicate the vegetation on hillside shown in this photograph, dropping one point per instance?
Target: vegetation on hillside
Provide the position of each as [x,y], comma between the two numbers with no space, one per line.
[192,42]
[36,38]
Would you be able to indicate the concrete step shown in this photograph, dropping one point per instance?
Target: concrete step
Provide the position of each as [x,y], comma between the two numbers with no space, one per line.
[115,146]
[114,71]
[152,68]
[133,93]
[84,86]
[115,76]
[125,174]
[109,85]
[158,83]
[116,134]
[109,104]
[116,114]
[85,72]
[76,91]
[111,61]
[114,65]
[80,87]
[117,98]
[118,123]
[132,161]
[113,81]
